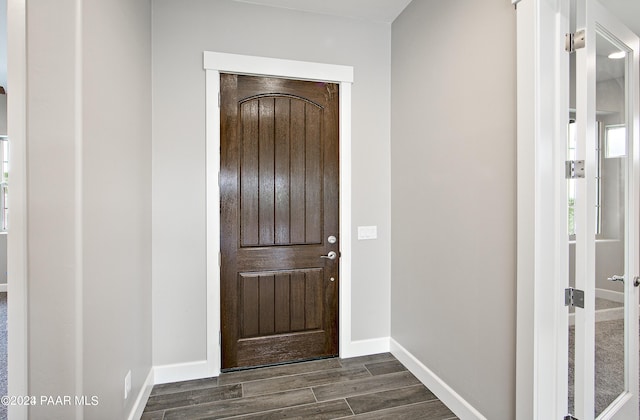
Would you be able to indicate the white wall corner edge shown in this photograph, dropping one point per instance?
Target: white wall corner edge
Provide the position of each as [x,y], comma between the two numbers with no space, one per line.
[365,347]
[164,374]
[143,397]
[440,389]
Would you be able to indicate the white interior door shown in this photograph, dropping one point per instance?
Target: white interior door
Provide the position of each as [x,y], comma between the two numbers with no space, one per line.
[604,219]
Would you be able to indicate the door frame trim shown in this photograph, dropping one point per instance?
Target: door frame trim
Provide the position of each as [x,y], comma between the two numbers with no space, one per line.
[18,304]
[542,251]
[214,64]
[542,260]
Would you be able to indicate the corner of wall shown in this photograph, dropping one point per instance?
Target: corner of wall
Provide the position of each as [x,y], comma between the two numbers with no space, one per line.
[440,389]
[143,397]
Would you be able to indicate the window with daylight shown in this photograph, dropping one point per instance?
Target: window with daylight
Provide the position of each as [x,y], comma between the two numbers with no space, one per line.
[615,141]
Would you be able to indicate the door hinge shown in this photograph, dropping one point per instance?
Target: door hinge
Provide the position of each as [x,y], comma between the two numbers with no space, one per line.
[574,169]
[574,41]
[574,298]
[219,258]
[219,338]
[570,417]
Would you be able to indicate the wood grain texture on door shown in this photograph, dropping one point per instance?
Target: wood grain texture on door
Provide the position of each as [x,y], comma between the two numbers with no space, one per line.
[279,188]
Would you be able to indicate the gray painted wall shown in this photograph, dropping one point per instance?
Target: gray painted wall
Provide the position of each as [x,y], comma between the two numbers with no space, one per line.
[116,181]
[182,30]
[89,195]
[453,195]
[51,246]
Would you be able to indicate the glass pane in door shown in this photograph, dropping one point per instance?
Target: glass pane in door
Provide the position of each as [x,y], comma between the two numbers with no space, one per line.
[611,204]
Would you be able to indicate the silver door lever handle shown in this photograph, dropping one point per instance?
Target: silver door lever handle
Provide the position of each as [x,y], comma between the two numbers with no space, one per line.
[330,256]
[616,278]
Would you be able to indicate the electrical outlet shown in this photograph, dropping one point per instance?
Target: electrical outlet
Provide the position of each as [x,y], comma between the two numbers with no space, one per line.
[127,385]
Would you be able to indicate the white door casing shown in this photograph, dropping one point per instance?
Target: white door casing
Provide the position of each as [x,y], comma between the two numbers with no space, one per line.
[214,64]
[542,255]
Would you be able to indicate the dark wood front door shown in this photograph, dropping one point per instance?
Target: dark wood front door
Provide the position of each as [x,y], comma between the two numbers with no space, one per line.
[279,190]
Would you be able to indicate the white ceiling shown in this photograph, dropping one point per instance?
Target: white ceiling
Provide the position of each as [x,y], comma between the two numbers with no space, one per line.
[374,10]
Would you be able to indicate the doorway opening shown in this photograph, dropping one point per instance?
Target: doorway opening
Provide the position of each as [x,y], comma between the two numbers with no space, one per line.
[215,64]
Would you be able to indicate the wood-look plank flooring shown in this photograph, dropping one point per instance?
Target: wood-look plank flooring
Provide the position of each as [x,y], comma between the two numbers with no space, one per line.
[369,387]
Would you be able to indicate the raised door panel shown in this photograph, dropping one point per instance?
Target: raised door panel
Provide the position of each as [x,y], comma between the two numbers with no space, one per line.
[279,186]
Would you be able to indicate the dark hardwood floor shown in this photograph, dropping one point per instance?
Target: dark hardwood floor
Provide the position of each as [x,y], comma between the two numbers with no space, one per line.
[369,387]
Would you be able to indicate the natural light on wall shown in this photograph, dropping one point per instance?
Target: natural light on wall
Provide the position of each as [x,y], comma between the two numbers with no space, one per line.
[615,141]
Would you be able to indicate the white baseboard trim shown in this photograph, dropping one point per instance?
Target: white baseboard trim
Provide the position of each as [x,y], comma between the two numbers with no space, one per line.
[365,347]
[440,389]
[3,287]
[610,295]
[609,314]
[143,397]
[605,314]
[165,374]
